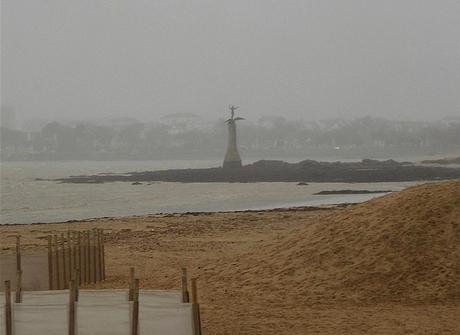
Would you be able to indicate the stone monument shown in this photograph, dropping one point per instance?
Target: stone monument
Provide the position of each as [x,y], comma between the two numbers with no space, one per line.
[232,157]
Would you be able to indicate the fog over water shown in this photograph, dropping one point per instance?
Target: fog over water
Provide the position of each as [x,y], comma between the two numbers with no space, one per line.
[300,59]
[93,86]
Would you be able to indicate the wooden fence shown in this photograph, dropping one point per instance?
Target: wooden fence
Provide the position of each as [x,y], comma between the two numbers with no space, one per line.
[75,254]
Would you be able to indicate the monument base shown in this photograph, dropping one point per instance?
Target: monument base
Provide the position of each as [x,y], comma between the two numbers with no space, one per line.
[232,164]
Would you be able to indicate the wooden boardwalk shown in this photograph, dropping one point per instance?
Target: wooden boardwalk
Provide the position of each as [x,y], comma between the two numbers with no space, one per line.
[42,295]
[99,312]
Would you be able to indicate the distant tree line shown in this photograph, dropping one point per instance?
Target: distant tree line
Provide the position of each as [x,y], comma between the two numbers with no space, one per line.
[268,137]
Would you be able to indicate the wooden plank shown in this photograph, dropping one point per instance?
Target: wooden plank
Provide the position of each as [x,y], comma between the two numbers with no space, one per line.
[8,316]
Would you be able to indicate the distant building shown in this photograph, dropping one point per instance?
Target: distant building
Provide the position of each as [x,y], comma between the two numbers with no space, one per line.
[8,117]
[182,122]
[34,124]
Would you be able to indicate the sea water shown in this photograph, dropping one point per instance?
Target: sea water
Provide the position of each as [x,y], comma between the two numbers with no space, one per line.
[23,199]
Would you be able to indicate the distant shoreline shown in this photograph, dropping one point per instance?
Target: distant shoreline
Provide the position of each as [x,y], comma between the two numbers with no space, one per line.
[190,213]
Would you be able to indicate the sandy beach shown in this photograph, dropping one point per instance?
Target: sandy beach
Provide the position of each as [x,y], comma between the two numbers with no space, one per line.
[387,266]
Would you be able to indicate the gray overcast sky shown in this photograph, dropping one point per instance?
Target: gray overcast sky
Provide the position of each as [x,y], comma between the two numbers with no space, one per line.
[310,59]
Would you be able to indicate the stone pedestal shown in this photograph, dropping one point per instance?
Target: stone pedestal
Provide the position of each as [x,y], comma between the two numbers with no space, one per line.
[232,157]
[232,164]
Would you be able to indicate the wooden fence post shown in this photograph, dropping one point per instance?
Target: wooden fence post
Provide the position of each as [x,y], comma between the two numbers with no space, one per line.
[101,261]
[58,268]
[131,284]
[50,263]
[18,268]
[83,257]
[70,254]
[92,275]
[8,317]
[75,276]
[18,298]
[18,252]
[195,309]
[97,254]
[79,259]
[68,257]
[65,282]
[75,251]
[93,235]
[135,316]
[71,318]
[87,258]
[77,286]
[185,294]
[103,254]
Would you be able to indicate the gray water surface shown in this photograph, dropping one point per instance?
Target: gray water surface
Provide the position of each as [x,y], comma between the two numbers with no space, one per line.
[26,200]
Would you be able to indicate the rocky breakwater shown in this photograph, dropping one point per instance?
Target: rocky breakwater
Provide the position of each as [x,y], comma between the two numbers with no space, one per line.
[278,171]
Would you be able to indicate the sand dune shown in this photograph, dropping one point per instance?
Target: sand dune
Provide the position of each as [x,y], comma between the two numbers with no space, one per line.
[401,247]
